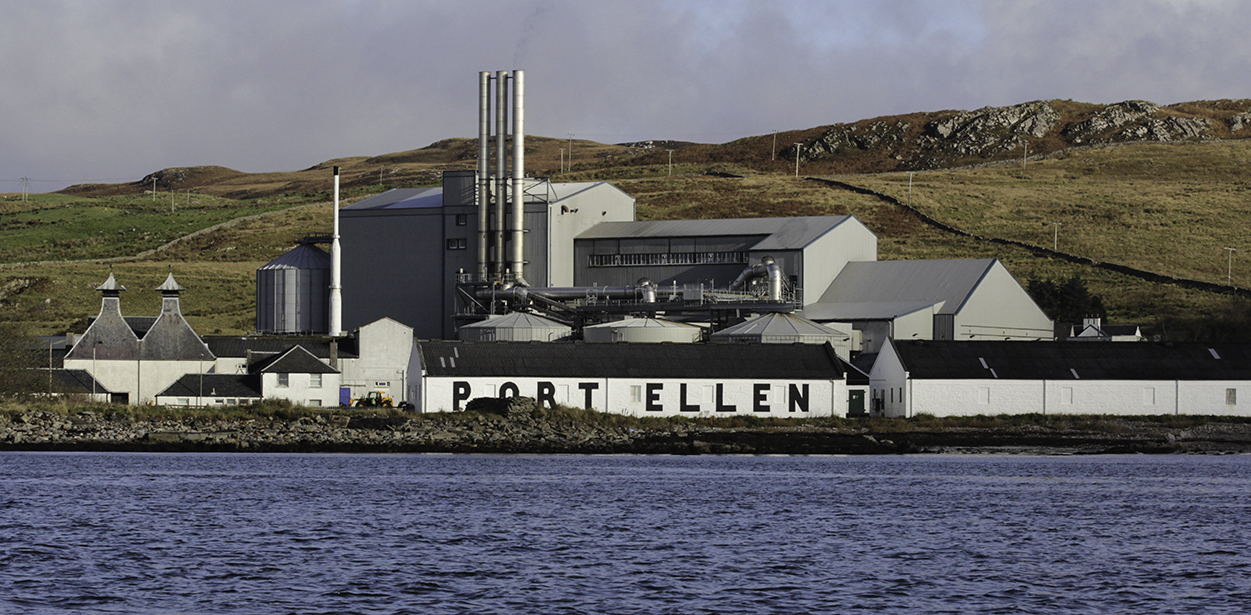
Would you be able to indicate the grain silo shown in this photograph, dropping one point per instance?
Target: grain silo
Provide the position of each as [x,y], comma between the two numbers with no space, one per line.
[293,292]
[642,330]
[514,327]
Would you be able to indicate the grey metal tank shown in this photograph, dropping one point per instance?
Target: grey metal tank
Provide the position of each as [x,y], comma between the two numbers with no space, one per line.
[293,292]
[514,327]
[643,330]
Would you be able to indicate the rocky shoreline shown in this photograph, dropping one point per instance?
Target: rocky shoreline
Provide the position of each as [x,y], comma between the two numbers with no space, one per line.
[523,430]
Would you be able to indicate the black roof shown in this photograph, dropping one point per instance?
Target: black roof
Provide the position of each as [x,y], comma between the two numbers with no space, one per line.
[631,360]
[77,381]
[240,346]
[1064,361]
[215,385]
[296,360]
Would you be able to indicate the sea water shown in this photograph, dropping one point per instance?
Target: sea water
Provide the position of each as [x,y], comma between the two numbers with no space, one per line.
[287,533]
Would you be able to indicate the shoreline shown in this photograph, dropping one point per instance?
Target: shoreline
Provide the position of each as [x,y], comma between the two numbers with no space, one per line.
[526,431]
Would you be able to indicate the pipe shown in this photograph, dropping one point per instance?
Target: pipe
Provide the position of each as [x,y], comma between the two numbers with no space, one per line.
[484,169]
[517,217]
[566,292]
[767,268]
[648,288]
[336,269]
[501,167]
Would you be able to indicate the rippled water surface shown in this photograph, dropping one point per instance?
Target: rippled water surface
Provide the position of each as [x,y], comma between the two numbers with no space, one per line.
[185,533]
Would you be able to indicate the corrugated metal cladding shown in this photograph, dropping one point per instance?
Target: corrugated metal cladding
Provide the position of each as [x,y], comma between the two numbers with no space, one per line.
[293,292]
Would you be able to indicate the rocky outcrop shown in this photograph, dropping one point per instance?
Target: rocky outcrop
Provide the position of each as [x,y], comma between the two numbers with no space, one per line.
[1136,120]
[952,138]
[517,426]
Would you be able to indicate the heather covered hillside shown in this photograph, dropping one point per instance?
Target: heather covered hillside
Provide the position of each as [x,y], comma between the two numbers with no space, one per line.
[1160,189]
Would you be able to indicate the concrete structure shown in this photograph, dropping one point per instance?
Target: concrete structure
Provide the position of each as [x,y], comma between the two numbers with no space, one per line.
[935,299]
[768,380]
[404,250]
[946,378]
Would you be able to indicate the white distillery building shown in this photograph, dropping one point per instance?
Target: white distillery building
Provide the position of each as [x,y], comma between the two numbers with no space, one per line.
[162,360]
[960,299]
[706,380]
[944,378]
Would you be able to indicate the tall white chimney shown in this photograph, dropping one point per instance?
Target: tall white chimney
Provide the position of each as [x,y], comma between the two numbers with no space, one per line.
[336,271]
[517,217]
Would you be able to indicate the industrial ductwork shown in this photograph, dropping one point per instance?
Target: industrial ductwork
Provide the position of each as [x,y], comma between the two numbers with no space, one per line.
[767,268]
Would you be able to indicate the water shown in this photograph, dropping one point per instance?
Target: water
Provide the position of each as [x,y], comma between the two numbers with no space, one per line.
[187,533]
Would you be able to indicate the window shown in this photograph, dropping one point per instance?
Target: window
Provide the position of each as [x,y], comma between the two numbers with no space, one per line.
[1231,397]
[462,219]
[315,403]
[314,381]
[636,393]
[983,395]
[457,244]
[284,380]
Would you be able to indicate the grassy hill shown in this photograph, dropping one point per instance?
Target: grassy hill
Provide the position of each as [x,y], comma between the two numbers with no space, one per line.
[1164,206]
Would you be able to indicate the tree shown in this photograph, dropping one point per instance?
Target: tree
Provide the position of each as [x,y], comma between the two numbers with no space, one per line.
[1067,301]
[20,360]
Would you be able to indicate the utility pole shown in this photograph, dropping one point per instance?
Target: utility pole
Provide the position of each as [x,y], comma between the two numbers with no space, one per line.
[670,162]
[1055,237]
[1229,272]
[570,151]
[797,159]
[562,160]
[775,144]
[153,188]
[909,188]
[25,187]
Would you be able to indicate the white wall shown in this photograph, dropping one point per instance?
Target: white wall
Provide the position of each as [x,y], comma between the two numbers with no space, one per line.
[999,309]
[826,256]
[140,380]
[1111,397]
[651,397]
[385,349]
[300,391]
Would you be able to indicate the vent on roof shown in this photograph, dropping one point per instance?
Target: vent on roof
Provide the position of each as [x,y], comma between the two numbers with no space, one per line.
[1074,372]
[984,365]
[1214,355]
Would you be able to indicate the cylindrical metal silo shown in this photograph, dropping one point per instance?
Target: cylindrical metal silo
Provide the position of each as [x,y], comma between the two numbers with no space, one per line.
[293,292]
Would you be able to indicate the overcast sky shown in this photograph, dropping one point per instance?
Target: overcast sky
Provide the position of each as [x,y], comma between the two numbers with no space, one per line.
[111,90]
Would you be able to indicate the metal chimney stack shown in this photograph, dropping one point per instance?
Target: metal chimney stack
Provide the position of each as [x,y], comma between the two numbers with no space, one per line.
[336,270]
[492,260]
[518,229]
[484,171]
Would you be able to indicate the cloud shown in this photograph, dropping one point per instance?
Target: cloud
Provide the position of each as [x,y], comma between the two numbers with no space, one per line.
[119,88]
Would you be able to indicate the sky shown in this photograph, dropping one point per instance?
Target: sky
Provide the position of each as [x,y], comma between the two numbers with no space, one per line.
[111,90]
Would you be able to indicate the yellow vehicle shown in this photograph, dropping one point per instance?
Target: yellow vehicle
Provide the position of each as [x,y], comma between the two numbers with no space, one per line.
[373,399]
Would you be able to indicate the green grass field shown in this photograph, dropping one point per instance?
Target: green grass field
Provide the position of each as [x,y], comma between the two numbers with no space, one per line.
[1169,209]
